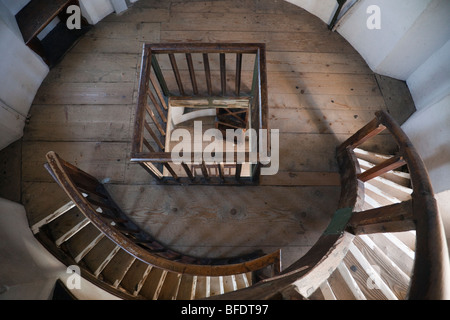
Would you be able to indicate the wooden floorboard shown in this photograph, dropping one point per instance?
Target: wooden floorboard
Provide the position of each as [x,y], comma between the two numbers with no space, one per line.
[320,92]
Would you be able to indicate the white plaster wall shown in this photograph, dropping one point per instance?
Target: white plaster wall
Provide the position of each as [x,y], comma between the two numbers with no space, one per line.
[427,34]
[27,270]
[323,9]
[431,81]
[22,73]
[15,6]
[375,46]
[96,10]
[429,131]
[443,201]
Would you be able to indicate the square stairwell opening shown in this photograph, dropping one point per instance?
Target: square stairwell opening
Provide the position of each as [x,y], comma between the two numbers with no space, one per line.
[200,107]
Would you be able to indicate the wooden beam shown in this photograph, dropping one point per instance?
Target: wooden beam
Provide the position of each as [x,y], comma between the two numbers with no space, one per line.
[393,218]
[386,166]
[362,135]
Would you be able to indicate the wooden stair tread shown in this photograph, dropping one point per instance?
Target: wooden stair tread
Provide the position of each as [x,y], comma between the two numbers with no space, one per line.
[33,18]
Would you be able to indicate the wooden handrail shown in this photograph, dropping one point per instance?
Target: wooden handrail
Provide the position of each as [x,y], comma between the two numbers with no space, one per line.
[430,278]
[118,228]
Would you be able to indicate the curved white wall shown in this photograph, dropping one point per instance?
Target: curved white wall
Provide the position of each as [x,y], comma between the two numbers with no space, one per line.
[413,44]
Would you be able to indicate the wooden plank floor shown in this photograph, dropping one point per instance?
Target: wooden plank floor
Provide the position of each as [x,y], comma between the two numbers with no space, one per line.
[320,92]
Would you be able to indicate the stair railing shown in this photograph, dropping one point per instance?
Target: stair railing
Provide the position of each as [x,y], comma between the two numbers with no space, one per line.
[430,277]
[162,80]
[93,200]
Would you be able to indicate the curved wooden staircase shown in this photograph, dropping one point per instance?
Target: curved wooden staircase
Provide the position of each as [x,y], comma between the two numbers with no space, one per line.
[369,250]
[91,232]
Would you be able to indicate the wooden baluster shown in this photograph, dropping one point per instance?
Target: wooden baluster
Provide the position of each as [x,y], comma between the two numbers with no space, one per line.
[188,171]
[176,72]
[159,75]
[172,172]
[387,165]
[207,73]
[237,175]
[153,135]
[204,170]
[393,218]
[158,92]
[157,106]
[148,145]
[192,73]
[221,176]
[256,171]
[362,135]
[223,74]
[238,74]
[156,122]
[150,168]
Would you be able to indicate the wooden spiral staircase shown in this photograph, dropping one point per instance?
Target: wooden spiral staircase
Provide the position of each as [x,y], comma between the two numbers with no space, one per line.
[373,250]
[385,240]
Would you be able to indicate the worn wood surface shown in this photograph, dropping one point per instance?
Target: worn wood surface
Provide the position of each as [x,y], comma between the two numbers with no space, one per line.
[320,90]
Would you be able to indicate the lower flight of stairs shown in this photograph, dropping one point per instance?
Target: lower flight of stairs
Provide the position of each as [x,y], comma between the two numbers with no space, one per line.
[82,244]
[377,266]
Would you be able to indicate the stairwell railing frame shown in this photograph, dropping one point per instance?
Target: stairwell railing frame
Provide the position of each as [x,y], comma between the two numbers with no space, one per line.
[154,94]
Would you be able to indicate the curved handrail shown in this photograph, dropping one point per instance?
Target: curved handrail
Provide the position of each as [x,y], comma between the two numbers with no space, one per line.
[72,179]
[430,279]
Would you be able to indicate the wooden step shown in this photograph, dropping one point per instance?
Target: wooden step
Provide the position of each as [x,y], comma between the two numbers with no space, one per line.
[390,273]
[393,189]
[350,281]
[170,287]
[187,287]
[216,286]
[102,253]
[395,250]
[81,243]
[327,292]
[153,284]
[54,215]
[367,276]
[67,225]
[408,238]
[382,196]
[115,270]
[134,279]
[324,292]
[202,289]
[339,286]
